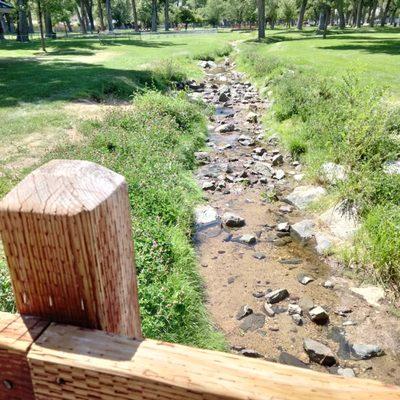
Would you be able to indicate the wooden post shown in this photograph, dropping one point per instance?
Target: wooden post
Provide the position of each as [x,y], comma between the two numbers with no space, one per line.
[66,232]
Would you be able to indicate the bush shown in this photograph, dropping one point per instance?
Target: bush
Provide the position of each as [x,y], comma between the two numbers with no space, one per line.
[213,54]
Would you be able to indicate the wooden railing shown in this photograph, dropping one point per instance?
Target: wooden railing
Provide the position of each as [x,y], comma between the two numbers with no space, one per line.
[67,238]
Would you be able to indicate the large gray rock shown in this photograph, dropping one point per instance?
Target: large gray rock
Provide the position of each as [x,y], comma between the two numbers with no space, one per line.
[303,231]
[343,225]
[232,220]
[302,196]
[333,173]
[319,353]
[253,322]
[206,215]
[225,128]
[366,351]
[276,296]
[245,140]
[371,294]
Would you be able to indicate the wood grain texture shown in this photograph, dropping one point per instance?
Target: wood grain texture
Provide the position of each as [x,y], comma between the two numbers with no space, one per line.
[66,231]
[16,336]
[74,363]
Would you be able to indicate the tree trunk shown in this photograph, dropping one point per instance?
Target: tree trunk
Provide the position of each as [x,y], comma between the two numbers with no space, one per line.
[69,26]
[154,15]
[49,26]
[1,27]
[82,23]
[101,15]
[166,14]
[359,13]
[385,13]
[373,14]
[342,20]
[10,23]
[135,17]
[301,14]
[261,19]
[109,16]
[327,16]
[40,19]
[22,27]
[30,23]
[322,17]
[89,11]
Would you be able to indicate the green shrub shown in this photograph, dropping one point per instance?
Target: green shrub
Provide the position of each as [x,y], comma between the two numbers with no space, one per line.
[213,54]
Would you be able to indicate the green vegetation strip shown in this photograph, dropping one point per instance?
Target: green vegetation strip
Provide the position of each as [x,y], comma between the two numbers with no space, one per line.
[345,120]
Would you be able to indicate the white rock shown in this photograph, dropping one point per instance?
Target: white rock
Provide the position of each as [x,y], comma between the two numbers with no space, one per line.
[206,215]
[294,309]
[392,167]
[283,227]
[333,173]
[279,174]
[342,225]
[348,372]
[302,196]
[303,231]
[324,243]
[371,294]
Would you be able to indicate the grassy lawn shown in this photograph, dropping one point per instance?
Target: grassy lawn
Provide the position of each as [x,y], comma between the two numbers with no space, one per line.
[41,94]
[372,55]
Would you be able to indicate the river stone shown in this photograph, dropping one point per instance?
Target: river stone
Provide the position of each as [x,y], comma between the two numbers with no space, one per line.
[304,279]
[288,359]
[206,215]
[248,239]
[294,309]
[225,128]
[371,294]
[366,351]
[262,168]
[252,117]
[207,64]
[303,231]
[268,310]
[259,256]
[297,319]
[302,196]
[324,244]
[243,312]
[250,353]
[342,225]
[252,322]
[319,353]
[347,372]
[318,315]
[245,140]
[232,220]
[279,174]
[283,227]
[209,185]
[333,173]
[223,97]
[276,296]
[277,159]
[260,151]
[202,157]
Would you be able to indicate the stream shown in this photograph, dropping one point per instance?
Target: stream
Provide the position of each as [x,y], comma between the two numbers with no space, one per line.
[272,296]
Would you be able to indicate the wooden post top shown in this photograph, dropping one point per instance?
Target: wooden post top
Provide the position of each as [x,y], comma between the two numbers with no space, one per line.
[63,187]
[66,231]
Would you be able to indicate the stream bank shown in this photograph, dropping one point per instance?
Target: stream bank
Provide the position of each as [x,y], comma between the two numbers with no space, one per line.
[268,291]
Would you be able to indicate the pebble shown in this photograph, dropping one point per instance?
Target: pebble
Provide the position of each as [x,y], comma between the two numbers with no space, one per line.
[259,256]
[248,239]
[297,319]
[304,279]
[318,315]
[269,310]
[232,220]
[294,309]
[328,284]
[243,312]
[319,353]
[276,296]
[251,353]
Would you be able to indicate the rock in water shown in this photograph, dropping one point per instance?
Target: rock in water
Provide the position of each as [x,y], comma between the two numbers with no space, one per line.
[206,215]
[302,196]
[243,312]
[276,296]
[319,353]
[233,221]
[366,351]
[253,322]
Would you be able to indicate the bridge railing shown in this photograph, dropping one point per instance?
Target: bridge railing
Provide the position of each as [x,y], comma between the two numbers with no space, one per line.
[67,238]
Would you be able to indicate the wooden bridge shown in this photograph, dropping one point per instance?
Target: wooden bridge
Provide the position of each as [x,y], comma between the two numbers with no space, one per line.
[67,238]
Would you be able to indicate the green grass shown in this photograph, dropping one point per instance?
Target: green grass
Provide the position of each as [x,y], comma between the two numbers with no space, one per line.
[327,108]
[36,88]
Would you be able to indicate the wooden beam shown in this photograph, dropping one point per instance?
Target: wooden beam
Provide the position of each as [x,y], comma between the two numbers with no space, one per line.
[66,231]
[16,337]
[74,363]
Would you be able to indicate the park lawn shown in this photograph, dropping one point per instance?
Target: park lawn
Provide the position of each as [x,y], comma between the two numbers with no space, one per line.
[43,98]
[371,54]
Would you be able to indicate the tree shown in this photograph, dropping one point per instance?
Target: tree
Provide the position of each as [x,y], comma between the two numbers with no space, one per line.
[154,15]
[40,18]
[121,13]
[185,16]
[135,15]
[385,13]
[109,16]
[287,10]
[22,27]
[272,12]
[342,20]
[214,10]
[303,7]
[166,15]
[261,19]
[359,13]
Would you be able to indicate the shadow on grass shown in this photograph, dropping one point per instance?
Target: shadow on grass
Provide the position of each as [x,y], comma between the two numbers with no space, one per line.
[382,46]
[28,80]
